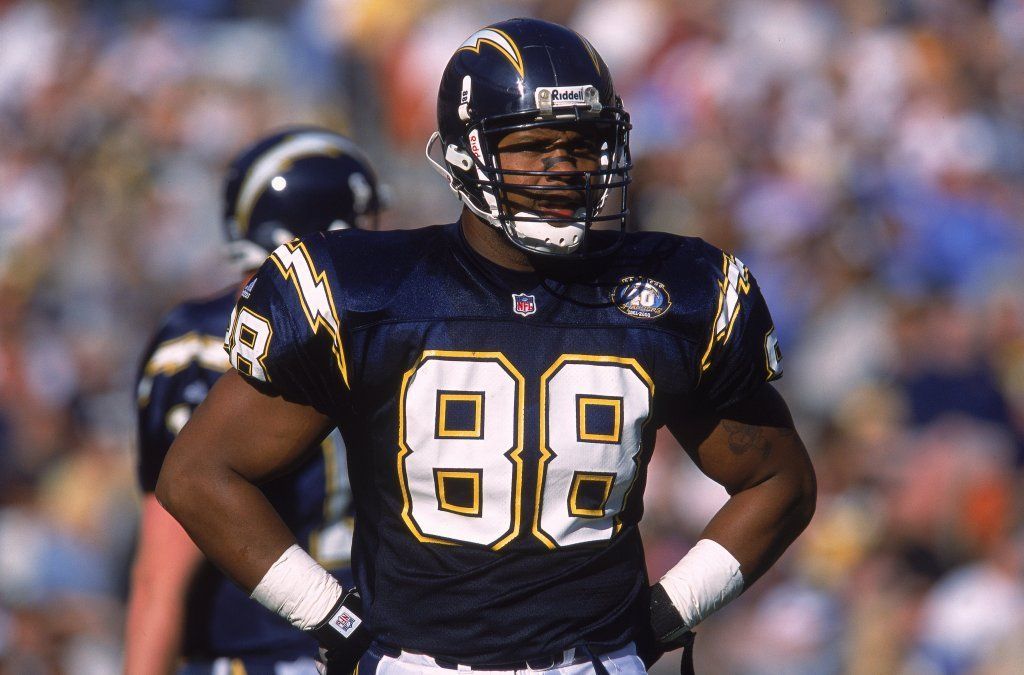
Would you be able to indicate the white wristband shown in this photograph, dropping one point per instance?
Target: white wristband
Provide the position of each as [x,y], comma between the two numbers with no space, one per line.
[298,588]
[705,580]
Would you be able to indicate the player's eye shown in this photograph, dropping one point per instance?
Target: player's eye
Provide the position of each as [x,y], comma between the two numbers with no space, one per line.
[584,148]
[526,148]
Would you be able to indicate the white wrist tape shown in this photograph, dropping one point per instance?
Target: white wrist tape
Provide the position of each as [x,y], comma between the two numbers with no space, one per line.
[705,580]
[298,588]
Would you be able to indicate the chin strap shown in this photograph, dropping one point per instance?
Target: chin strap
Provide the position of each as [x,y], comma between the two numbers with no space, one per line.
[542,237]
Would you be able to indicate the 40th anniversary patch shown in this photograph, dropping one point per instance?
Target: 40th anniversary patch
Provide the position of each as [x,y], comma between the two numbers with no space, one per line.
[641,298]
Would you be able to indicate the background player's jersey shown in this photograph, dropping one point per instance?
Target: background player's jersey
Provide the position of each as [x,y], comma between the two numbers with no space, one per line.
[183,361]
[503,422]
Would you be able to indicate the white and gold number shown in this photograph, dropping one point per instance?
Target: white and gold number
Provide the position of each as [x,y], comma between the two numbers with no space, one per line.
[479,459]
[249,343]
[593,410]
[772,355]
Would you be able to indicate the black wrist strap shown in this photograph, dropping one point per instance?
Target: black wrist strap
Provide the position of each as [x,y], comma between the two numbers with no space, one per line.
[666,621]
[686,662]
[669,629]
[341,623]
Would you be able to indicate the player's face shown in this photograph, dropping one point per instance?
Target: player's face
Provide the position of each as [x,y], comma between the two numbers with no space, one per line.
[552,152]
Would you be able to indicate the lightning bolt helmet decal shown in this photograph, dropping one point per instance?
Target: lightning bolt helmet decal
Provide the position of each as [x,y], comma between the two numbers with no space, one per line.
[500,41]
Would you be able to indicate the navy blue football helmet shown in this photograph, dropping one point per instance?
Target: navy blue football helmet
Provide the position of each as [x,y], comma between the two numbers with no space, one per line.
[524,73]
[293,183]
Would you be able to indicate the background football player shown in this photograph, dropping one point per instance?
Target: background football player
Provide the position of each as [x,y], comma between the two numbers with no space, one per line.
[292,183]
[503,378]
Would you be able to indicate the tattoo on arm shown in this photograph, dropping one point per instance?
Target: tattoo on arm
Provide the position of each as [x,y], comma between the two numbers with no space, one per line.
[742,437]
[745,437]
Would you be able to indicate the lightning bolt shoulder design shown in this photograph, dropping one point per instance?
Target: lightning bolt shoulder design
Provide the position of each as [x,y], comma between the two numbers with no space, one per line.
[315,296]
[734,284]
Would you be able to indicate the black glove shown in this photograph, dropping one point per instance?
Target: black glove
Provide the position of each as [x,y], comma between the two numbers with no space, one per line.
[669,631]
[342,636]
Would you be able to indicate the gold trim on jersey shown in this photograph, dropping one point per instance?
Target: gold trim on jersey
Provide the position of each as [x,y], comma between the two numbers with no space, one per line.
[318,319]
[606,480]
[441,477]
[583,403]
[444,398]
[251,342]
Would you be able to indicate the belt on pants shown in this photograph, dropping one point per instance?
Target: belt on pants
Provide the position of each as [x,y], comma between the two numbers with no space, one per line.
[567,657]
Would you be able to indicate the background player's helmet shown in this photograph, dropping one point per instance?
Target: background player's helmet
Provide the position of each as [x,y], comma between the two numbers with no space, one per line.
[524,73]
[293,183]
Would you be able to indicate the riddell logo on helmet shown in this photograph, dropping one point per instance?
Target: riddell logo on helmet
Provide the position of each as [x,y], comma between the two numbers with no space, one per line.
[564,97]
[572,96]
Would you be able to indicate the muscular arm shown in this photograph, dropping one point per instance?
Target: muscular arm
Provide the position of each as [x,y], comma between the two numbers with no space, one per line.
[237,438]
[753,451]
[164,566]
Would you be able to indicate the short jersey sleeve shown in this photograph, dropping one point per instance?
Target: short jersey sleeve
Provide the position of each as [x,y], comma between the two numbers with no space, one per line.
[177,371]
[284,335]
[742,352]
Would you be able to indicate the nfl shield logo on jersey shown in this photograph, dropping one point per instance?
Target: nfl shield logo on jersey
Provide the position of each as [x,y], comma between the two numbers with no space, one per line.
[523,304]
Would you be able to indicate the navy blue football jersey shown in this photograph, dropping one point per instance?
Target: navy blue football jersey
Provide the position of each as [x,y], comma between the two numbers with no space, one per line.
[183,361]
[499,423]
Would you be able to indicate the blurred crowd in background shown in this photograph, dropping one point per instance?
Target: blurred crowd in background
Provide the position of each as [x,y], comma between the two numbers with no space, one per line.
[864,157]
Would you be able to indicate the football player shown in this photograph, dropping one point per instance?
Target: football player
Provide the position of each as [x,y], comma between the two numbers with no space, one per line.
[499,382]
[296,182]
